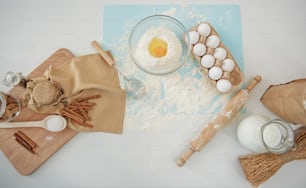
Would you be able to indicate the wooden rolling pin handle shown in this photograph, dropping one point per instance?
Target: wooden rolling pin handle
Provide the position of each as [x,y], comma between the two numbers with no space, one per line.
[104,54]
[253,83]
[188,153]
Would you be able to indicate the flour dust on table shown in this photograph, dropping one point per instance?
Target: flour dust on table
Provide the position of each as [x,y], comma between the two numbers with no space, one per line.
[169,97]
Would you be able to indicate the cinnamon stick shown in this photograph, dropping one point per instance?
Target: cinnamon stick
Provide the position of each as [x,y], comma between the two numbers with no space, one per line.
[86,103]
[72,107]
[26,138]
[72,113]
[83,112]
[77,110]
[85,124]
[72,116]
[24,144]
[88,98]
[25,141]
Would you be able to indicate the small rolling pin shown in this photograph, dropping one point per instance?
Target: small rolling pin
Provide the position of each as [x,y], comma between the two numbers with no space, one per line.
[220,120]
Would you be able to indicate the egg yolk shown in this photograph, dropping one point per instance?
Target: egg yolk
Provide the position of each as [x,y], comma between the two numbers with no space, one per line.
[158,47]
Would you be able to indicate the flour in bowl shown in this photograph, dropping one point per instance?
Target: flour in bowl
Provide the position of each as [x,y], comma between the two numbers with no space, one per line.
[158,48]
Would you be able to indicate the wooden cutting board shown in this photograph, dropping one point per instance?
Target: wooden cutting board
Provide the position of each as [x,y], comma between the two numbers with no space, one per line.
[48,143]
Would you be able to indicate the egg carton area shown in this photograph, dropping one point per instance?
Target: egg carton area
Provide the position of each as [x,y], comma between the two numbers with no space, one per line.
[215,59]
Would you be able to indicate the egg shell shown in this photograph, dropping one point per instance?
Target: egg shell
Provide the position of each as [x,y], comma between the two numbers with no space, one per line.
[223,85]
[207,61]
[213,41]
[204,29]
[220,53]
[228,65]
[194,37]
[199,49]
[215,73]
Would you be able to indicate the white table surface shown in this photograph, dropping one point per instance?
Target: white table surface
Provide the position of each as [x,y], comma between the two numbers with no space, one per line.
[274,46]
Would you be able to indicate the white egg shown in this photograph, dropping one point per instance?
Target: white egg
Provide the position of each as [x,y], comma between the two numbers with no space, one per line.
[215,73]
[207,61]
[199,49]
[194,37]
[213,41]
[228,65]
[223,85]
[220,53]
[204,29]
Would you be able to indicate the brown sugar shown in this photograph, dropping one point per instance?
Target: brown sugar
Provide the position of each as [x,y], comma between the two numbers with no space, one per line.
[45,92]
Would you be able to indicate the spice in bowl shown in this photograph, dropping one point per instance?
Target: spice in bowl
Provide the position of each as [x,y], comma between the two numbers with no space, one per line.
[9,107]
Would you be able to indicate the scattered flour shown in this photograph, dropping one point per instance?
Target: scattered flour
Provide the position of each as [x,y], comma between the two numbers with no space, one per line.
[171,97]
[186,93]
[49,138]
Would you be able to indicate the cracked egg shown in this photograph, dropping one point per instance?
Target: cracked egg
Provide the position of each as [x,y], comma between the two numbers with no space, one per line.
[159,44]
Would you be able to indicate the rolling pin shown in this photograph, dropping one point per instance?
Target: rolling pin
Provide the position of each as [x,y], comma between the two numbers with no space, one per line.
[220,120]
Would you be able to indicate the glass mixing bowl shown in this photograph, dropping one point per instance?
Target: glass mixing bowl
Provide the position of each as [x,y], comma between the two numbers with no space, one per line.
[159,44]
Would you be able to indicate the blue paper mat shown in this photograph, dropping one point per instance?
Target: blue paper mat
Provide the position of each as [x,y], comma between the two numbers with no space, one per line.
[118,21]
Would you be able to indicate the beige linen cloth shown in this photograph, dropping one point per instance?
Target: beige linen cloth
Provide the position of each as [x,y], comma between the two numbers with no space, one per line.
[90,75]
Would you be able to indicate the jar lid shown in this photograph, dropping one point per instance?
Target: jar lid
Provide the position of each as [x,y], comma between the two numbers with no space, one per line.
[2,104]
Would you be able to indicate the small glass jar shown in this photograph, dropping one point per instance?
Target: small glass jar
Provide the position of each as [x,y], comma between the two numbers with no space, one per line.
[10,107]
[13,79]
[277,136]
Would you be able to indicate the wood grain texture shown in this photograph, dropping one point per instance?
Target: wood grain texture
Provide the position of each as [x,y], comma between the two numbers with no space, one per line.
[48,142]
